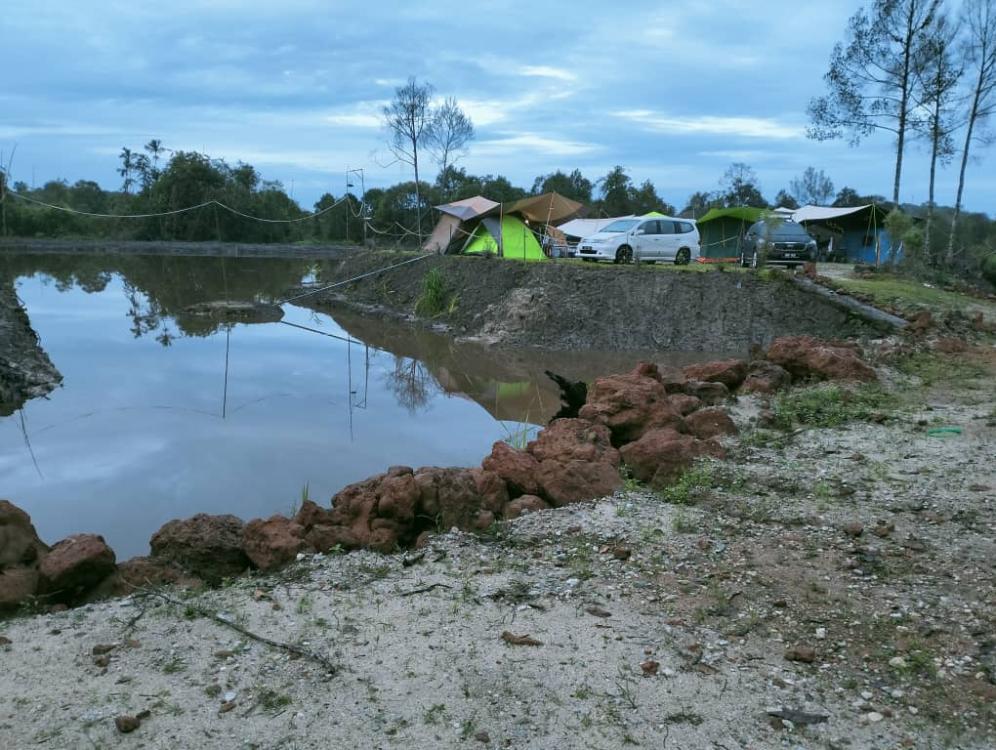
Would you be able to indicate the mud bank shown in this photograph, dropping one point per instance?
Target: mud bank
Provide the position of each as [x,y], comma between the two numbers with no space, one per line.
[575,306]
[26,372]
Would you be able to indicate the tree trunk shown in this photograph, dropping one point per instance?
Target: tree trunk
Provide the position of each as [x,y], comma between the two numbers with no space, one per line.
[418,199]
[934,148]
[972,117]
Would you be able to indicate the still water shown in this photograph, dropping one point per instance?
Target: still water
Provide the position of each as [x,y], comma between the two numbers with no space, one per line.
[162,416]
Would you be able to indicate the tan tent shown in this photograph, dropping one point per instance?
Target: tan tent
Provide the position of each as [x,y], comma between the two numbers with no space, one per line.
[549,208]
[448,228]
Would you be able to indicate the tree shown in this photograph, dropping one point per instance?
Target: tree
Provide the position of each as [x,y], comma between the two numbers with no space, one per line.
[812,187]
[644,199]
[938,75]
[575,185]
[408,120]
[449,131]
[615,189]
[700,202]
[739,187]
[979,18]
[849,198]
[784,199]
[871,79]
[127,168]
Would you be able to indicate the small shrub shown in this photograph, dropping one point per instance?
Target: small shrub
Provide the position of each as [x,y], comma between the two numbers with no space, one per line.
[435,298]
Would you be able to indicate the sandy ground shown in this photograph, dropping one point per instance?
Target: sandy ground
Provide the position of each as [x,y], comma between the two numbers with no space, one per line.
[658,623]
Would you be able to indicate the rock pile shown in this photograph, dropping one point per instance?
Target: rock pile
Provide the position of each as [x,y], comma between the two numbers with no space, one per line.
[653,423]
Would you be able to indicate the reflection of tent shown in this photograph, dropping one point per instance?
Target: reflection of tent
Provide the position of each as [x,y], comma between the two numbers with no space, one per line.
[516,239]
[454,214]
[721,230]
[857,231]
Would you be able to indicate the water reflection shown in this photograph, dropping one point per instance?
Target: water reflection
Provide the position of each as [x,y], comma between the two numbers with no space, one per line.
[162,415]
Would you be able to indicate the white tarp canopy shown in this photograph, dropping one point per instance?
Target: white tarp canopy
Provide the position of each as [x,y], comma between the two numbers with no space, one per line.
[825,213]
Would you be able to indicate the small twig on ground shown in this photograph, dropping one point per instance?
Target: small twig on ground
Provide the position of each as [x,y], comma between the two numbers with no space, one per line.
[422,590]
[289,647]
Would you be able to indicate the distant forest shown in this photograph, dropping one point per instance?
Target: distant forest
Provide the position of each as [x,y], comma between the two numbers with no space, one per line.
[157,182]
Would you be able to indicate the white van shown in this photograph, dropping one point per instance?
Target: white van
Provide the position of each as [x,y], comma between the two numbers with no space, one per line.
[646,239]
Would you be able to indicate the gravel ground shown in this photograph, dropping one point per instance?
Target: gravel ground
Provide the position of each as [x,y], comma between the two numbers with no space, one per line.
[744,609]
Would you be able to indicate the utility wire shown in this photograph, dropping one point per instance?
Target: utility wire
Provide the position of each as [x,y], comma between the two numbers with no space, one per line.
[175,211]
[355,278]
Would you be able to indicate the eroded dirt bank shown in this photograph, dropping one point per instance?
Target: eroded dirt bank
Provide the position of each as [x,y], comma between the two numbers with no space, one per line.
[569,305]
[25,370]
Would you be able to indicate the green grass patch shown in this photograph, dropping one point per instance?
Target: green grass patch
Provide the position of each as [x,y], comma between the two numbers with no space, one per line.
[932,368]
[831,405]
[435,298]
[910,295]
[689,485]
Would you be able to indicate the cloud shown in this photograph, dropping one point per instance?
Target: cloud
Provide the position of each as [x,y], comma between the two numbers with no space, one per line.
[514,144]
[546,71]
[745,127]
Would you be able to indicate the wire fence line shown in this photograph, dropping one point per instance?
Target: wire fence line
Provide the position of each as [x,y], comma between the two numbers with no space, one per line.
[404,231]
[355,278]
[173,212]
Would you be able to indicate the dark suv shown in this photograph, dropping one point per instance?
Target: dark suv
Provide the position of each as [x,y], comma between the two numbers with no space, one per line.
[776,242]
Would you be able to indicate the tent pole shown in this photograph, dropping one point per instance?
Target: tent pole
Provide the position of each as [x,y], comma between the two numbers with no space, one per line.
[501,230]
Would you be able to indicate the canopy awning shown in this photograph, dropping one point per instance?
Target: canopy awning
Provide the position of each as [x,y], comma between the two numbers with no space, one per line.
[549,208]
[468,208]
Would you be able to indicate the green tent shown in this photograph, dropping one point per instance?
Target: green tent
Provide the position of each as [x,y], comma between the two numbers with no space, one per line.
[517,240]
[721,230]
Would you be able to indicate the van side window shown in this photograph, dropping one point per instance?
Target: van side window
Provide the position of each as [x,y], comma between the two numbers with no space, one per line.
[667,227]
[684,227]
[650,227]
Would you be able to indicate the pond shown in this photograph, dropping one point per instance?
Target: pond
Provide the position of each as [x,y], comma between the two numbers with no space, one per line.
[162,414]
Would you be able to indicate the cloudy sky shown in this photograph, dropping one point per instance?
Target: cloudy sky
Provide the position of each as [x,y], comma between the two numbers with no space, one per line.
[673,91]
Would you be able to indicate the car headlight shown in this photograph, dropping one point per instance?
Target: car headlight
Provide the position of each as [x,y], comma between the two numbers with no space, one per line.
[761,242]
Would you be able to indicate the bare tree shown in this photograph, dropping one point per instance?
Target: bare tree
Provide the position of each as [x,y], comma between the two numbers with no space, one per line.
[938,76]
[979,18]
[408,120]
[871,79]
[449,132]
[812,187]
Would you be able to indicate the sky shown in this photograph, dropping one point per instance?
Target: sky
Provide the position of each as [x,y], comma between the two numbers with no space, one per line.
[673,91]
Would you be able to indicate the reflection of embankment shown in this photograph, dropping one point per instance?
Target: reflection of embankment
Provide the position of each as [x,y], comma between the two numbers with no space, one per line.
[26,372]
[509,384]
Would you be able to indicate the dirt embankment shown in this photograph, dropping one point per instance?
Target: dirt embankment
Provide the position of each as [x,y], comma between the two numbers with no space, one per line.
[566,305]
[25,370]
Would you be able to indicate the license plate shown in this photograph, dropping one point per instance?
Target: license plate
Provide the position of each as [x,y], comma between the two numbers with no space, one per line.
[790,255]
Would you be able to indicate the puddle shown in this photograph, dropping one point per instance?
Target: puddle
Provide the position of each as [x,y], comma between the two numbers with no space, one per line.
[162,415]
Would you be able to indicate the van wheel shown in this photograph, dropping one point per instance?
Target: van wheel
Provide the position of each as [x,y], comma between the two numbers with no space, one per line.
[683,258]
[624,254]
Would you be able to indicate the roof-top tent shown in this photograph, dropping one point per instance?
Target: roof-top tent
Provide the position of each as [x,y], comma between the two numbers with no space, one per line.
[856,232]
[722,229]
[450,231]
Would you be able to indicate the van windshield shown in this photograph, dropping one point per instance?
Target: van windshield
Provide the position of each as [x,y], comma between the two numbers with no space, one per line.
[623,225]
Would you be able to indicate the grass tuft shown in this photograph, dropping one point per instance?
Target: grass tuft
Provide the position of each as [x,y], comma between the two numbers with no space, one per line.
[831,405]
[435,298]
